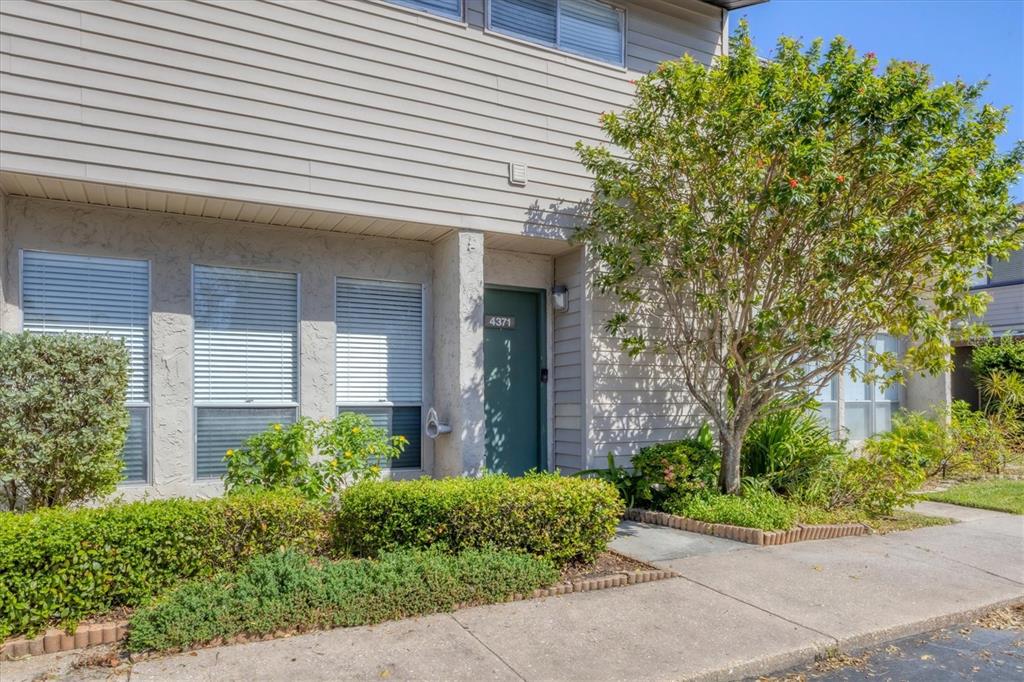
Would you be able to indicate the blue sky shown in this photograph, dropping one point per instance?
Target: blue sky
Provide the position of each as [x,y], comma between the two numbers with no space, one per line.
[971,39]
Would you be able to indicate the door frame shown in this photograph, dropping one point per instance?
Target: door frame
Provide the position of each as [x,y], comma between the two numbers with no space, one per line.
[542,350]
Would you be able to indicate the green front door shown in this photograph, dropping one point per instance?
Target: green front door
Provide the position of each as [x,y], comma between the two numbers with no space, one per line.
[514,376]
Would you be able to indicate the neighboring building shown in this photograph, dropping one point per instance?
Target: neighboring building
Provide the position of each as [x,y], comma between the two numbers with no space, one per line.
[295,208]
[1004,316]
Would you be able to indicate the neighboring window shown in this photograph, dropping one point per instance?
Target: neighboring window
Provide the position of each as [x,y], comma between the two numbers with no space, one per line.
[445,8]
[828,398]
[101,296]
[1008,271]
[585,27]
[245,358]
[867,409]
[379,357]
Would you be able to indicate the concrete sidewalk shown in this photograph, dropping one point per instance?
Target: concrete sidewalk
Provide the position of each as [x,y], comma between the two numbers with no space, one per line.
[735,612]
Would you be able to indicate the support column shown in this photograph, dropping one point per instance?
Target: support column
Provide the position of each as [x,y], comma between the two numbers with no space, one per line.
[458,302]
[925,393]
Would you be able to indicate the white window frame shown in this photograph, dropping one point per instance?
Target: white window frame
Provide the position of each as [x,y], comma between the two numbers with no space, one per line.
[556,46]
[197,404]
[363,404]
[147,453]
[839,400]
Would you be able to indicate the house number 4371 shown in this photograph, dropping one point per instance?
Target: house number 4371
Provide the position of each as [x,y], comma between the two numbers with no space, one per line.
[499,321]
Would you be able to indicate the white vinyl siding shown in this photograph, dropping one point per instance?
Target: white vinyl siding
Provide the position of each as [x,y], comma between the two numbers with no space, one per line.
[245,357]
[355,108]
[379,356]
[588,28]
[444,8]
[97,296]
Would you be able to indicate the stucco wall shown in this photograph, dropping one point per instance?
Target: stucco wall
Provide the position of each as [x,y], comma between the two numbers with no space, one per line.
[459,362]
[172,244]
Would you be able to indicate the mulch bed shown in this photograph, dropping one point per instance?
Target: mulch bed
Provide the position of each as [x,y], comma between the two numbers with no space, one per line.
[608,563]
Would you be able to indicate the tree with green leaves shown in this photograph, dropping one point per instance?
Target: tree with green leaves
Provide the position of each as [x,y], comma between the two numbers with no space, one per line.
[760,219]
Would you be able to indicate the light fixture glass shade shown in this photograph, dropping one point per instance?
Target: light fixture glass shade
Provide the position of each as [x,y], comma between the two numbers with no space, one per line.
[560,298]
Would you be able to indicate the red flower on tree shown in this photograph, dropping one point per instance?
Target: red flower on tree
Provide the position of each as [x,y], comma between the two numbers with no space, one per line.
[793,183]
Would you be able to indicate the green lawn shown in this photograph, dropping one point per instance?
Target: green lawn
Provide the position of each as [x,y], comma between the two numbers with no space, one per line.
[1000,495]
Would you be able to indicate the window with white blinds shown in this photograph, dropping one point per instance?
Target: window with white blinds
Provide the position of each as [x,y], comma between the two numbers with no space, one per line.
[379,357]
[245,357]
[97,296]
[585,27]
[445,8]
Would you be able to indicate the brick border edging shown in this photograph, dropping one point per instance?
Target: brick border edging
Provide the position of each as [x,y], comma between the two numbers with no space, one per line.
[752,536]
[56,640]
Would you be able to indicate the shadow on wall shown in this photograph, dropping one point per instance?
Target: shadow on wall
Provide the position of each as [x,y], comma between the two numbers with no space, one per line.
[634,401]
[558,221]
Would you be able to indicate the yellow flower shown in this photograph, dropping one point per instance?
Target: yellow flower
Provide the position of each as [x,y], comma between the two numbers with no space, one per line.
[333,464]
[277,427]
[229,453]
[355,429]
[375,470]
[348,454]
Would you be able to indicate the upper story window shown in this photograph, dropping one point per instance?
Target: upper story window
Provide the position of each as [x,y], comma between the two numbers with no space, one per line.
[588,28]
[444,8]
[1001,272]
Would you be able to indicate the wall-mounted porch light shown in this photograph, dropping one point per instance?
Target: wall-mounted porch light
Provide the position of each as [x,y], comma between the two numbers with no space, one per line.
[560,298]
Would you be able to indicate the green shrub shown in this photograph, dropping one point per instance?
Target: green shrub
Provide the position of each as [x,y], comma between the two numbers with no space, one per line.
[63,418]
[877,482]
[633,488]
[62,565]
[286,590]
[679,467]
[998,368]
[970,444]
[786,448]
[755,508]
[547,515]
[1006,354]
[348,449]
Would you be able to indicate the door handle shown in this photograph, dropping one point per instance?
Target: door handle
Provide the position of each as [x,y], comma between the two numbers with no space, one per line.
[544,376]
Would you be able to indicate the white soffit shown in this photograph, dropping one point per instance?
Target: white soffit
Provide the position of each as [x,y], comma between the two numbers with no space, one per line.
[119,196]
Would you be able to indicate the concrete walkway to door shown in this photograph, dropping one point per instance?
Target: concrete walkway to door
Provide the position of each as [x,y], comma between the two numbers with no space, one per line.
[736,612]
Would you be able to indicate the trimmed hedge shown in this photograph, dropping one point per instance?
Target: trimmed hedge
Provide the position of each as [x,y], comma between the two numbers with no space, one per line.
[287,591]
[63,565]
[547,515]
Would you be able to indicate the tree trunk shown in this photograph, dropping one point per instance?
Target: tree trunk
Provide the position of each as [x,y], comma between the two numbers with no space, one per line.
[729,474]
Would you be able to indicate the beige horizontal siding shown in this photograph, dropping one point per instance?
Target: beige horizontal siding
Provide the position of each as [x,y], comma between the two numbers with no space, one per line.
[1006,310]
[568,366]
[634,401]
[355,106]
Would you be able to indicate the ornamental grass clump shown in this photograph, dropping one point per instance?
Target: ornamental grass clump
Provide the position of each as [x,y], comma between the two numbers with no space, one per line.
[287,591]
